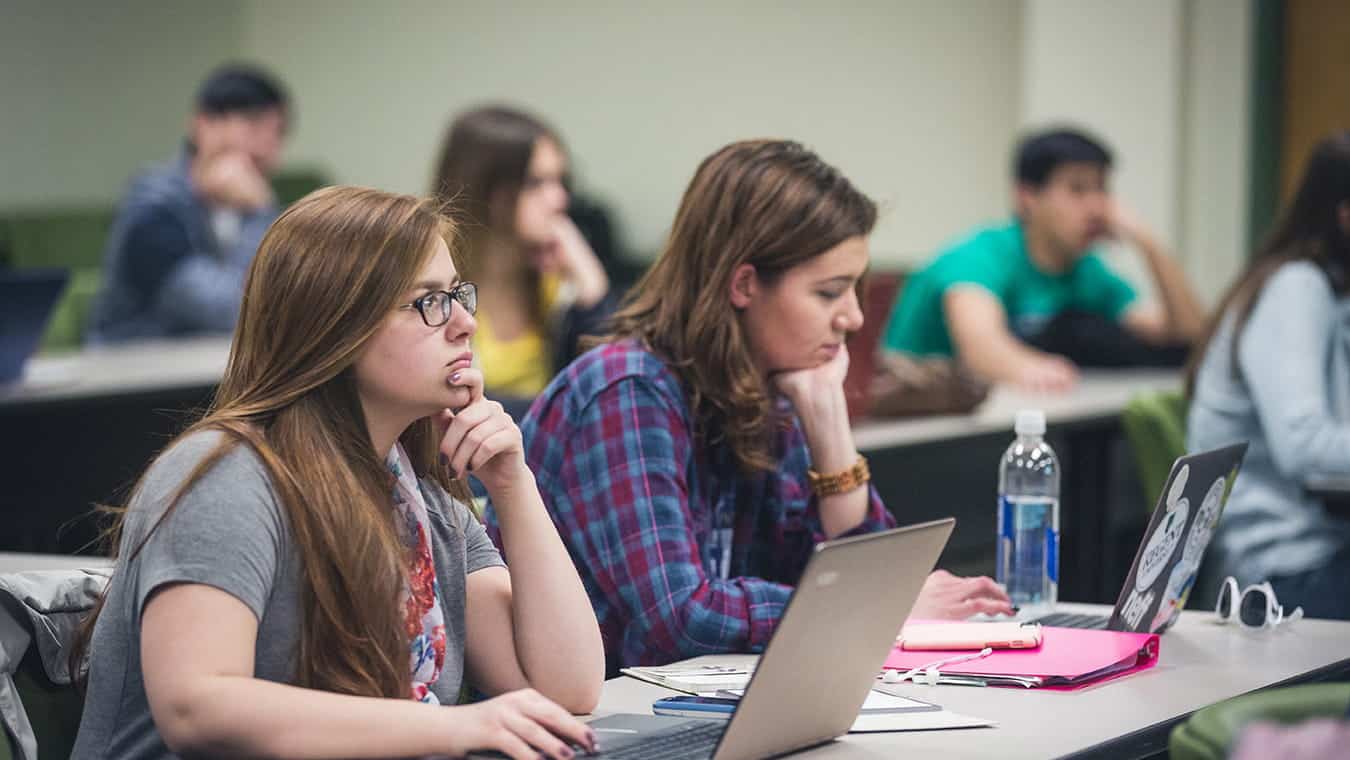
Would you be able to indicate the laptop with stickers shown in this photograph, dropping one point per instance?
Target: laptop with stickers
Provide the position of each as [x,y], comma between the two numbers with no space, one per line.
[1168,559]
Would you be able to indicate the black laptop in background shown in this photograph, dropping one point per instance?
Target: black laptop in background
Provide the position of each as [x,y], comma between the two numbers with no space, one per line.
[1168,559]
[27,297]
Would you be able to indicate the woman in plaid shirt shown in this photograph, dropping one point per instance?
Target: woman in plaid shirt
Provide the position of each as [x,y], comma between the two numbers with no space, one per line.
[693,459]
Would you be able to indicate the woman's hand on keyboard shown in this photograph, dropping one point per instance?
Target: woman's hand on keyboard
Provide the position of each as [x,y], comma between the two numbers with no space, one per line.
[951,597]
[522,724]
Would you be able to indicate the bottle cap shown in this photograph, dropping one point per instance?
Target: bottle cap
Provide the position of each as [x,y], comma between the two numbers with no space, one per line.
[1030,422]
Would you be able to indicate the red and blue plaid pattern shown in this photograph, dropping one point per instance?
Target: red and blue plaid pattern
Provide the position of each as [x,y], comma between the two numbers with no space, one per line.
[610,442]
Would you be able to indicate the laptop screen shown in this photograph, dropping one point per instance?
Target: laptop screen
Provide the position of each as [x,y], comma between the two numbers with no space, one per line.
[26,300]
[1183,523]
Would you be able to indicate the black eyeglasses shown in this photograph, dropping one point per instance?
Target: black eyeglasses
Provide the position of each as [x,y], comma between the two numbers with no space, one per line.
[435,307]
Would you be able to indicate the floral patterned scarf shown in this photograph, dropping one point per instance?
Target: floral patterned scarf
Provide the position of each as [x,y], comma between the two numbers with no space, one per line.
[423,618]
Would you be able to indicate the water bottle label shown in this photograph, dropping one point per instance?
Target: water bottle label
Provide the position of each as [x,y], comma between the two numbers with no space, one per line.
[1052,554]
[1028,549]
[1004,542]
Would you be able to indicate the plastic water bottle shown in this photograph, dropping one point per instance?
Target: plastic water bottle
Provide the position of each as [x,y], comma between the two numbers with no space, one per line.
[1028,516]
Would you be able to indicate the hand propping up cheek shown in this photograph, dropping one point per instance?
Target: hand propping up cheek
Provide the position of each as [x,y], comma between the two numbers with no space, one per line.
[480,437]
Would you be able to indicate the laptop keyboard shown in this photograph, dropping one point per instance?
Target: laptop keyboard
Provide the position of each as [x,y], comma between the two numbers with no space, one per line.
[1073,620]
[695,741]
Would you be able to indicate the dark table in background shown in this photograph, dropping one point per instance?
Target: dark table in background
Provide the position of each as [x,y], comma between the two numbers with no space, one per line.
[81,428]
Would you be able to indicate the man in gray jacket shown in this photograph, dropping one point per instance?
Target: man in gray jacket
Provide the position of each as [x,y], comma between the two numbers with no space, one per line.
[187,230]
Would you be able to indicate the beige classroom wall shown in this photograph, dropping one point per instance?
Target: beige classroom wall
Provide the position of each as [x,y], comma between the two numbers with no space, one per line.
[90,91]
[1165,83]
[915,100]
[919,102]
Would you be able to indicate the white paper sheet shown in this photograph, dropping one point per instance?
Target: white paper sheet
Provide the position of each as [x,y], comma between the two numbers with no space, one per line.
[914,721]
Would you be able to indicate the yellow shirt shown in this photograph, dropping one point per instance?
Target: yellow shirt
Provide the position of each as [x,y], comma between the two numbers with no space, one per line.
[522,366]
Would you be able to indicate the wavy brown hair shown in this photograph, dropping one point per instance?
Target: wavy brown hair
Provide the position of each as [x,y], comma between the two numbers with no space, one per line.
[484,159]
[326,275]
[1309,229]
[772,204]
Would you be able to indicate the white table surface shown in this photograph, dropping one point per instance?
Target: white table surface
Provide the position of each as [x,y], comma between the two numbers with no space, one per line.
[110,371]
[1200,663]
[1098,394]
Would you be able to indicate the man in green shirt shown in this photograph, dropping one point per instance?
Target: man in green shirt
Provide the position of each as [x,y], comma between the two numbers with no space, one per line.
[984,297]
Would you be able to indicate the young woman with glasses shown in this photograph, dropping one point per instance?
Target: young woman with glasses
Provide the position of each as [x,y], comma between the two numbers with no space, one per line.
[693,459]
[299,573]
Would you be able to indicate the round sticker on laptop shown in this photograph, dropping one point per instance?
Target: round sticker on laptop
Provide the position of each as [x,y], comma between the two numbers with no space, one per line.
[1182,579]
[1178,488]
[1167,536]
[1205,519]
[1178,588]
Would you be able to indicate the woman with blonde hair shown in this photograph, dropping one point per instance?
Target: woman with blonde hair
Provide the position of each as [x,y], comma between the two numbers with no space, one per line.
[506,170]
[299,573]
[693,459]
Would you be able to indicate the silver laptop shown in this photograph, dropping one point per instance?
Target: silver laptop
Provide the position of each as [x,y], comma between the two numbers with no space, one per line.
[1168,559]
[836,632]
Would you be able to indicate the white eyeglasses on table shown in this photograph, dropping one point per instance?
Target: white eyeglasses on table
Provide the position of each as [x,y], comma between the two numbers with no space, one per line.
[1254,607]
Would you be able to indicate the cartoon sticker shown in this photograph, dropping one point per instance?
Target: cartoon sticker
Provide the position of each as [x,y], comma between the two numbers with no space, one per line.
[1165,539]
[1135,608]
[1178,488]
[1205,520]
[1174,597]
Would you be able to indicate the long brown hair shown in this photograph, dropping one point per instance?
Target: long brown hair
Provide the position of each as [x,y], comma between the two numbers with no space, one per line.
[769,203]
[1309,230]
[325,277]
[485,157]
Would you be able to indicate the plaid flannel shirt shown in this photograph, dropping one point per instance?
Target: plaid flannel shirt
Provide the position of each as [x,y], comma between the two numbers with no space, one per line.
[610,442]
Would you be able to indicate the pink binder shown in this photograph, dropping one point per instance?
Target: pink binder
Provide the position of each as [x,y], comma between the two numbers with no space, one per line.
[1068,658]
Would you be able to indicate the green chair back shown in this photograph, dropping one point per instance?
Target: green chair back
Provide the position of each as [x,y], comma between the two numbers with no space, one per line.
[66,325]
[1155,427]
[59,237]
[1209,734]
[70,238]
[293,183]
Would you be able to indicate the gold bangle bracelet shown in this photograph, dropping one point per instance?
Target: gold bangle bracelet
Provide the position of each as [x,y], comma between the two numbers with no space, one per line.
[840,482]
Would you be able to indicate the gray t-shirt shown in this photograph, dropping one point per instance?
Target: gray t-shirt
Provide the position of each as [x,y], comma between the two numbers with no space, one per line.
[229,531]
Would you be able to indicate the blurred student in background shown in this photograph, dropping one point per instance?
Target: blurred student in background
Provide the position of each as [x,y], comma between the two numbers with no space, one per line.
[299,574]
[543,287]
[187,230]
[1009,300]
[1275,370]
[693,459]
